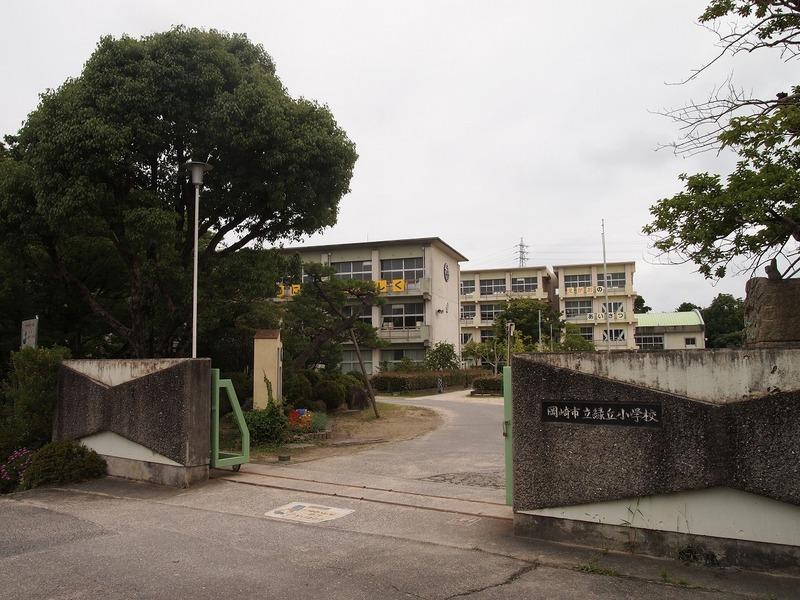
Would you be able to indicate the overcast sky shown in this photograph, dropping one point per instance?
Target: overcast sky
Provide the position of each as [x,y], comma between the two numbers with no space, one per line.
[478,122]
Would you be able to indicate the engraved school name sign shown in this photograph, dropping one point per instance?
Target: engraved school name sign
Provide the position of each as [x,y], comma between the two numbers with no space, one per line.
[590,413]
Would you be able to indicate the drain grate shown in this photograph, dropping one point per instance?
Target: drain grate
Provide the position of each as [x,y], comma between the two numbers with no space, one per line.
[491,479]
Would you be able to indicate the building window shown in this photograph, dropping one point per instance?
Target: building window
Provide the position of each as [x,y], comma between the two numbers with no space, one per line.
[405,315]
[690,342]
[468,311]
[364,312]
[466,338]
[617,335]
[350,361]
[573,281]
[614,280]
[524,284]
[650,342]
[574,309]
[614,306]
[357,269]
[410,269]
[467,286]
[490,311]
[393,356]
[492,286]
[587,333]
[486,335]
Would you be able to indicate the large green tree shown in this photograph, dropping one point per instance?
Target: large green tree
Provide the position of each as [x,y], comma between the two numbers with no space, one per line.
[724,319]
[528,314]
[753,214]
[94,181]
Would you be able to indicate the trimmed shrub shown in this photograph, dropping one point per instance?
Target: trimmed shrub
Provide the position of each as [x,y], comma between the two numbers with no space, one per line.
[62,462]
[30,392]
[331,392]
[474,372]
[394,381]
[317,406]
[269,426]
[488,385]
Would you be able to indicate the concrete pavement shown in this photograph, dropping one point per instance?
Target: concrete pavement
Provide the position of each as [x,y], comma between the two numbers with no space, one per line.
[117,539]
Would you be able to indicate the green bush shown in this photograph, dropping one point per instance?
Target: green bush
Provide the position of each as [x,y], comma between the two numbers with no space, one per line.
[316,406]
[406,365]
[29,398]
[268,426]
[474,372]
[331,392]
[296,388]
[488,385]
[319,421]
[394,381]
[62,462]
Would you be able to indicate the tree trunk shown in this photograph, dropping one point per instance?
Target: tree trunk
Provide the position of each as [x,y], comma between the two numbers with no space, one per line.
[370,391]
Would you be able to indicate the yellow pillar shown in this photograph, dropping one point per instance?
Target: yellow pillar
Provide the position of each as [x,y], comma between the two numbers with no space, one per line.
[267,363]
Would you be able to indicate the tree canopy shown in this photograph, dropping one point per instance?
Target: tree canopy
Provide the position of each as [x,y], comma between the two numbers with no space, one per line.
[686,307]
[752,214]
[640,306]
[724,319]
[524,313]
[94,182]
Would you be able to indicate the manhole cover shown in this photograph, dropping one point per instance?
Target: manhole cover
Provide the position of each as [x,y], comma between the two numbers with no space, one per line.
[492,479]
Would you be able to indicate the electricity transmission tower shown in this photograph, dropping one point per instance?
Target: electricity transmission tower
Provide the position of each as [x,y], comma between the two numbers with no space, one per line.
[522,252]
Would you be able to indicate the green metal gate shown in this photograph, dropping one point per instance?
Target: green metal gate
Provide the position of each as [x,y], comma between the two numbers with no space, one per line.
[227,459]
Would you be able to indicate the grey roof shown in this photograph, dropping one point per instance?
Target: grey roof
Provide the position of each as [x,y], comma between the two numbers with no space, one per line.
[378,244]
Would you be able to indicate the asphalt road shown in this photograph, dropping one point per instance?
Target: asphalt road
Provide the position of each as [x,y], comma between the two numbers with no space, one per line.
[112,539]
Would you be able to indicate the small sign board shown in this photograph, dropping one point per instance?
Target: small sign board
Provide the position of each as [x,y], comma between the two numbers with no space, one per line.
[592,413]
[307,513]
[30,333]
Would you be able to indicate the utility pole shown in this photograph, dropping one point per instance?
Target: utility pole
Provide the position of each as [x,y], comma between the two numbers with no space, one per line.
[522,252]
[540,330]
[605,285]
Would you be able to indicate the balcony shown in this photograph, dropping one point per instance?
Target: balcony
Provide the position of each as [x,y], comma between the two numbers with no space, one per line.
[469,321]
[421,287]
[420,333]
[592,291]
[600,318]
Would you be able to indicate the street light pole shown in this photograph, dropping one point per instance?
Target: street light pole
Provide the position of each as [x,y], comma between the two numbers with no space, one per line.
[197,169]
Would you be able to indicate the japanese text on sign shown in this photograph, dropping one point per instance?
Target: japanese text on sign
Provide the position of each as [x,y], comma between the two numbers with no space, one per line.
[642,415]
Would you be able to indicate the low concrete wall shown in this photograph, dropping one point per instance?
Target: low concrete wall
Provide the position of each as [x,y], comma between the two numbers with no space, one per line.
[597,442]
[150,419]
[716,376]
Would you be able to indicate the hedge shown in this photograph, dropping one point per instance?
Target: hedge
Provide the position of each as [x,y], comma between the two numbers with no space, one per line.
[395,381]
[488,385]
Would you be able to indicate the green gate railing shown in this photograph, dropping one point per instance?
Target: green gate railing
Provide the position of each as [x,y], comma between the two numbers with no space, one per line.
[227,459]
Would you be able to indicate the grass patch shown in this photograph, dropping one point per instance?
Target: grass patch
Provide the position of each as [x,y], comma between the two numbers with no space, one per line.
[596,569]
[667,578]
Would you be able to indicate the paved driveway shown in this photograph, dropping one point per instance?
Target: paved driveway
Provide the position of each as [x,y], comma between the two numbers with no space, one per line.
[467,448]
